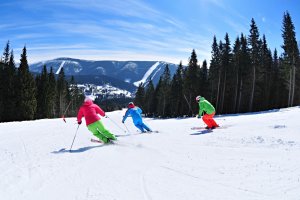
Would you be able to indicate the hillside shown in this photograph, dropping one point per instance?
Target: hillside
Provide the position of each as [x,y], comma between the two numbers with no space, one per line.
[121,74]
[256,156]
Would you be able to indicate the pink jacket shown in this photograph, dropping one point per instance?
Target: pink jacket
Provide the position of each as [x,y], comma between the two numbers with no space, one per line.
[89,111]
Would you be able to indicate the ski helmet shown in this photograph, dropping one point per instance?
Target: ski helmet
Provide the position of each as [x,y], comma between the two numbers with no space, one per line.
[130,105]
[198,98]
[88,98]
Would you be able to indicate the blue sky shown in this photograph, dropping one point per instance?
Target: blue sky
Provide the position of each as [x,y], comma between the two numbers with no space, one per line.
[164,30]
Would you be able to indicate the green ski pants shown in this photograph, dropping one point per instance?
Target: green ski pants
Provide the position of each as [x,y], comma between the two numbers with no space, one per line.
[100,132]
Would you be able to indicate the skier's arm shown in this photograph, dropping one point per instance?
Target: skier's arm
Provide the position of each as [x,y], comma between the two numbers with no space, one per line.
[139,110]
[79,116]
[99,110]
[125,116]
[200,109]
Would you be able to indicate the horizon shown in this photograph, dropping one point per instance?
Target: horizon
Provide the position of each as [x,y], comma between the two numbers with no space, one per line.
[137,30]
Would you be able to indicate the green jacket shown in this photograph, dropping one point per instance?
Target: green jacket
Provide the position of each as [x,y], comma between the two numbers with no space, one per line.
[205,106]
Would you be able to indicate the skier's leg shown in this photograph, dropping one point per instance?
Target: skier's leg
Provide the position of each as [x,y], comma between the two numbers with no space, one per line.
[146,127]
[139,126]
[94,129]
[212,121]
[206,120]
[104,131]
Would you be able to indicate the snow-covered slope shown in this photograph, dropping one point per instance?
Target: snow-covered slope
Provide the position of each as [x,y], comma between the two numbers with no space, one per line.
[256,157]
[125,71]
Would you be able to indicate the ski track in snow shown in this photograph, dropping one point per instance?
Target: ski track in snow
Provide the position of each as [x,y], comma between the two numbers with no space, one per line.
[257,156]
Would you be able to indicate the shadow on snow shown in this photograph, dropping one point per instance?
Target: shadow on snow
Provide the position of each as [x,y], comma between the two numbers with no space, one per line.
[80,150]
[202,132]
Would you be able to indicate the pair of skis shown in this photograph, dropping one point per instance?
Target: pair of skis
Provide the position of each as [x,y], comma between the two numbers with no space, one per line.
[112,142]
[204,128]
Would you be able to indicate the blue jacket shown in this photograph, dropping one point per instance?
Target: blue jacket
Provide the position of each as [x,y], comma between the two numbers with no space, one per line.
[135,113]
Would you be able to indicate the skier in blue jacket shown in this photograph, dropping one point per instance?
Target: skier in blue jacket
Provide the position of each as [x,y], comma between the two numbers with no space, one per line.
[135,112]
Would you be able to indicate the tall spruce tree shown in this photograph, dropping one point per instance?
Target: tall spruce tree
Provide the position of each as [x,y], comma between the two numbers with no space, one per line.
[11,76]
[149,99]
[26,90]
[52,94]
[265,73]
[7,88]
[76,97]
[275,81]
[1,90]
[236,60]
[226,61]
[177,99]
[6,54]
[62,92]
[164,93]
[291,58]
[254,43]
[191,83]
[140,96]
[245,74]
[215,73]
[43,100]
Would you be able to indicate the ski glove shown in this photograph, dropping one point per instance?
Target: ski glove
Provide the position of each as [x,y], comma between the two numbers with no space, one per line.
[79,123]
[199,116]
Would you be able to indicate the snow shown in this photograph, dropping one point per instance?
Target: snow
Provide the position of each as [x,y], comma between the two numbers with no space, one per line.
[147,74]
[256,156]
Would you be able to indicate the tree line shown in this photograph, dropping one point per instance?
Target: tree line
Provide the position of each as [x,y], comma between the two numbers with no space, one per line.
[25,96]
[244,77]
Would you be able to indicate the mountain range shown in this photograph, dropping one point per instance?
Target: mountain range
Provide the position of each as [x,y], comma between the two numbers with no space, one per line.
[121,74]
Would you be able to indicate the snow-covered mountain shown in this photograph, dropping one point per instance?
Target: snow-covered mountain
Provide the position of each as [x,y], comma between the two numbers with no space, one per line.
[255,156]
[120,74]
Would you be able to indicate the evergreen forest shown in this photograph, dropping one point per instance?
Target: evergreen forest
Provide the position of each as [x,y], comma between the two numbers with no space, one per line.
[243,76]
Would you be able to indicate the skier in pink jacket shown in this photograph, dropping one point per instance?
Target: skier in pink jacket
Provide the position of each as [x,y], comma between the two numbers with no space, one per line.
[90,112]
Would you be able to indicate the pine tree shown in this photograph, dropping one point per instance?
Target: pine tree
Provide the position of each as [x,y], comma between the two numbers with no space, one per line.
[291,58]
[26,90]
[1,90]
[62,92]
[275,82]
[43,99]
[236,68]
[52,95]
[11,76]
[244,71]
[254,43]
[6,54]
[226,60]
[265,73]
[7,88]
[215,73]
[191,83]
[163,94]
[149,99]
[140,96]
[177,99]
[76,97]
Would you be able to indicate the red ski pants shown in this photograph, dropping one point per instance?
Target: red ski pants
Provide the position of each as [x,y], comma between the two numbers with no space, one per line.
[209,121]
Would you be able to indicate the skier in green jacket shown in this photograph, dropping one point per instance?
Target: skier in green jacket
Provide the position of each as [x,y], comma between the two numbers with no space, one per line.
[206,108]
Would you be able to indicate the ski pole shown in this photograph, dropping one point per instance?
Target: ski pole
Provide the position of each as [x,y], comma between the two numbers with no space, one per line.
[74,137]
[63,116]
[127,128]
[116,124]
[188,104]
